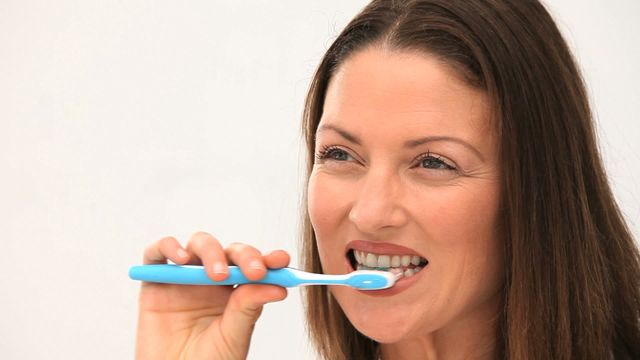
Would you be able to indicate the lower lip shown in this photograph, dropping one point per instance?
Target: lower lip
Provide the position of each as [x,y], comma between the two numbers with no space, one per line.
[401,285]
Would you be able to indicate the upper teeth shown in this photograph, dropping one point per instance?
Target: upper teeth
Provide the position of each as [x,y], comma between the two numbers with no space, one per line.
[385,261]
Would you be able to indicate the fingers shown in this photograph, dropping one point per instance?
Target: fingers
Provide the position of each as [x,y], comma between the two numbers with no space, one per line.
[208,249]
[249,259]
[203,248]
[244,309]
[231,312]
[163,249]
[276,259]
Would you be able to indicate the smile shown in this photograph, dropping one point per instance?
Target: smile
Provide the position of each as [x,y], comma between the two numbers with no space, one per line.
[407,265]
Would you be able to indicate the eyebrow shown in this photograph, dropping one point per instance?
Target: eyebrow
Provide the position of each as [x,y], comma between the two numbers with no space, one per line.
[410,144]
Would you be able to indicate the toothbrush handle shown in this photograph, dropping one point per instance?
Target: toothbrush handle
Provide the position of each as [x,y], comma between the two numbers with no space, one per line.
[196,275]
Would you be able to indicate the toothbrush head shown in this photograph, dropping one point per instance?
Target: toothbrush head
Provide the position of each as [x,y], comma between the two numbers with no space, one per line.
[372,279]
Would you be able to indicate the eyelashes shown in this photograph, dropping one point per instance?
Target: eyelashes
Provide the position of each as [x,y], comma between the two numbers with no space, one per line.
[427,160]
[328,151]
[434,160]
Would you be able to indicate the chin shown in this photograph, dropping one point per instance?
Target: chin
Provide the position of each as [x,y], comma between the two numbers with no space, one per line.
[375,317]
[383,335]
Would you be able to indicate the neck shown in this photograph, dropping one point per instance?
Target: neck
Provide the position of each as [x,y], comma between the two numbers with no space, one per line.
[471,337]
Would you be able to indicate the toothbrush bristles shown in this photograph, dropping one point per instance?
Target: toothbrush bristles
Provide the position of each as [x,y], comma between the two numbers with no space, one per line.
[398,276]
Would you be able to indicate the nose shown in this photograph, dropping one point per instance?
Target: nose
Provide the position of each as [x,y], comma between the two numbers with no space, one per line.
[378,203]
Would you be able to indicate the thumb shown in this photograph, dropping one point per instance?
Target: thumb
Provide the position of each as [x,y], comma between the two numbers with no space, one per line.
[243,310]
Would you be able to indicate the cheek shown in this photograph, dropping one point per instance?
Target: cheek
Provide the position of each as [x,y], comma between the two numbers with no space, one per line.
[327,204]
[319,212]
[462,224]
[460,216]
[320,197]
[329,199]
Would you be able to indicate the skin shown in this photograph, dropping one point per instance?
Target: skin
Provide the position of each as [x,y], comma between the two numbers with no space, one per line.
[378,191]
[204,322]
[381,191]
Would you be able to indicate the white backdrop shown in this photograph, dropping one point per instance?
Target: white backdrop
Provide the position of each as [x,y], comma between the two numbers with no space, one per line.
[125,121]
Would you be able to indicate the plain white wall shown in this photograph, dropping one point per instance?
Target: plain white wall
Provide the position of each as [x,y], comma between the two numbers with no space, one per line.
[123,122]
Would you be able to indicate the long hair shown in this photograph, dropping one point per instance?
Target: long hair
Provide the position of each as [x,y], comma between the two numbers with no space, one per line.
[572,285]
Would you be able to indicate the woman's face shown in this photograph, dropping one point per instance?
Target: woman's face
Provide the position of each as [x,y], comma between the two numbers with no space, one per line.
[406,172]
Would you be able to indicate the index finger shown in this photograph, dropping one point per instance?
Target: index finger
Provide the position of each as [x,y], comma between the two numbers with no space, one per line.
[163,249]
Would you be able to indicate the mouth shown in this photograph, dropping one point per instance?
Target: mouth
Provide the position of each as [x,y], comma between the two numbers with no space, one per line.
[405,264]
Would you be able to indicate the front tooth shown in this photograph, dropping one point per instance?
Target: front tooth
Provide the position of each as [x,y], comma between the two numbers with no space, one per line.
[395,261]
[408,272]
[383,261]
[415,260]
[372,261]
[405,260]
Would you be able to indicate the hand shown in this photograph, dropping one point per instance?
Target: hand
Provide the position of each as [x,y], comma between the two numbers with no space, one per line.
[204,322]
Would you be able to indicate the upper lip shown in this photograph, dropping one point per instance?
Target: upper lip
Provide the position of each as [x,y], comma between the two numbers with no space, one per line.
[385,248]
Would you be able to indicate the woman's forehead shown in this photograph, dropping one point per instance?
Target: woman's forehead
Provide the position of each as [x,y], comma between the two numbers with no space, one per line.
[377,89]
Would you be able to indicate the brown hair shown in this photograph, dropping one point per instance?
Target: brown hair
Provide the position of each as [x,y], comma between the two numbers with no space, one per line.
[572,287]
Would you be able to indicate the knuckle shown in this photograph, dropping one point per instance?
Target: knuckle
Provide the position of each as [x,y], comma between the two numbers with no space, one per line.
[149,250]
[246,307]
[251,312]
[152,252]
[237,246]
[201,234]
[241,250]
[167,240]
[200,240]
[244,253]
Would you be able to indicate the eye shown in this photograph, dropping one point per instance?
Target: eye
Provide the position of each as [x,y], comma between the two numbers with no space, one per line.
[434,162]
[332,153]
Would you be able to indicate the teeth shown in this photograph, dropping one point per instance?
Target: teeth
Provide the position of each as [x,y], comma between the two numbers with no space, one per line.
[383,261]
[408,272]
[395,261]
[398,271]
[405,260]
[371,260]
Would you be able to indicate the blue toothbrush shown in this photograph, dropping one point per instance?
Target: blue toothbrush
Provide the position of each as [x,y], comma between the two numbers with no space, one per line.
[285,277]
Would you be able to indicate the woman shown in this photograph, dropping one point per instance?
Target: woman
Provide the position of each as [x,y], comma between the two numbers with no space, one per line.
[456,134]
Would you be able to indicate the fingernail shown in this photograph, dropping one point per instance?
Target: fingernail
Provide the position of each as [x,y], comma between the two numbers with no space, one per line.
[182,253]
[219,268]
[256,264]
